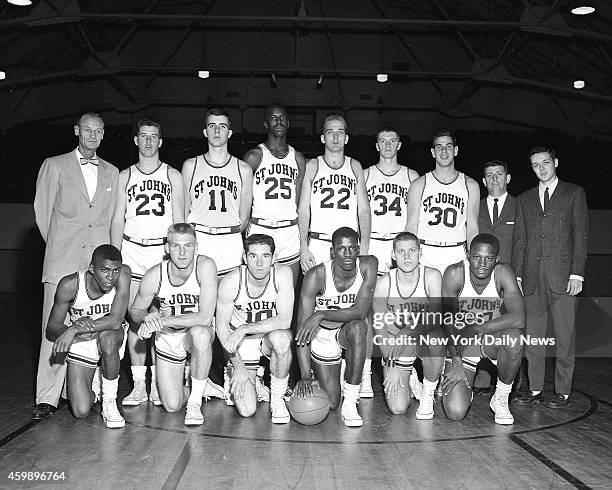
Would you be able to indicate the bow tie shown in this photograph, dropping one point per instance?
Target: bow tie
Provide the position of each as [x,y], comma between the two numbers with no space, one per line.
[85,161]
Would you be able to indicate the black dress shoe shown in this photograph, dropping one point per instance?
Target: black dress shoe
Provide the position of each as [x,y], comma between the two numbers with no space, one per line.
[42,411]
[529,399]
[482,391]
[558,401]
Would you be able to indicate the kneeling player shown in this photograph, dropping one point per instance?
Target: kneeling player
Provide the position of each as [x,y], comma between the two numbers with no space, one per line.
[186,288]
[96,301]
[408,292]
[253,318]
[477,289]
[335,300]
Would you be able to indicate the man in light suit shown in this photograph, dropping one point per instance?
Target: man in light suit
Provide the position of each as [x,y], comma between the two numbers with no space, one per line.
[74,204]
[549,252]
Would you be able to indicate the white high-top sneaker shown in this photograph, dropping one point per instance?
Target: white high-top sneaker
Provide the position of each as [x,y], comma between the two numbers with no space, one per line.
[111,415]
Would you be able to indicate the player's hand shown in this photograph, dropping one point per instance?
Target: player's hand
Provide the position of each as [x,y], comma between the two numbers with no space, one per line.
[303,387]
[233,340]
[574,286]
[144,332]
[64,341]
[393,382]
[240,380]
[308,330]
[454,376]
[307,260]
[395,351]
[86,325]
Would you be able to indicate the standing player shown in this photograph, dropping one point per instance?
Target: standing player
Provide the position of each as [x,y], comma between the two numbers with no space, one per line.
[186,288]
[278,170]
[96,301]
[480,286]
[149,199]
[335,300]
[253,318]
[448,202]
[410,288]
[218,195]
[333,195]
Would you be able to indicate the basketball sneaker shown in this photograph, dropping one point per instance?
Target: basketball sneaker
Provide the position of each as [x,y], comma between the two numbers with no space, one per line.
[280,414]
[426,406]
[365,389]
[111,415]
[154,395]
[227,374]
[263,392]
[213,390]
[137,396]
[96,385]
[416,387]
[499,405]
[194,416]
[350,415]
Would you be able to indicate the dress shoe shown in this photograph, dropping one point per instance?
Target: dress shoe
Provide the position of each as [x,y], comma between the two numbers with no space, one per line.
[482,391]
[558,401]
[42,411]
[529,399]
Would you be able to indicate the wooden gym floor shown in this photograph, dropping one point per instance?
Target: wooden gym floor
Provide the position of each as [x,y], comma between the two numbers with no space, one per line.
[544,448]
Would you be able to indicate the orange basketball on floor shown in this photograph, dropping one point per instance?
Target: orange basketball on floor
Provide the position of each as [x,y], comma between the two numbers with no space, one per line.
[311,410]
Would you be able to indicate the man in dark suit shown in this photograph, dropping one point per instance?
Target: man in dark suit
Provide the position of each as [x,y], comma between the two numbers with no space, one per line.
[74,203]
[549,253]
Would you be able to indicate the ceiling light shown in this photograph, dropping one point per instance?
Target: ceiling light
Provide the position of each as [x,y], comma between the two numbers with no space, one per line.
[320,82]
[578,84]
[2,75]
[273,80]
[203,74]
[583,10]
[382,77]
[20,3]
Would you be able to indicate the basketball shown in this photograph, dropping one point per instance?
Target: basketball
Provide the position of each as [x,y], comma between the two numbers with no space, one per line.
[311,410]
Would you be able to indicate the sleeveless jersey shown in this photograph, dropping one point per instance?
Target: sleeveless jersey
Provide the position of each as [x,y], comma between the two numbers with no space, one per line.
[388,195]
[251,309]
[331,298]
[83,305]
[488,303]
[443,217]
[148,207]
[215,194]
[178,299]
[274,186]
[333,201]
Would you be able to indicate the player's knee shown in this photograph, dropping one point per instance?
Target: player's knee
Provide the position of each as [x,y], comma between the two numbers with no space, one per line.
[356,331]
[201,337]
[280,340]
[172,405]
[108,342]
[399,405]
[456,404]
[246,408]
[80,410]
[334,400]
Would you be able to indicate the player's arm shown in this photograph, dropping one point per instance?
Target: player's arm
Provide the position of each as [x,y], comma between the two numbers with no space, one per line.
[415,192]
[187,174]
[513,303]
[64,295]
[147,290]
[473,208]
[47,185]
[118,222]
[412,175]
[178,195]
[253,158]
[363,207]
[301,164]
[306,257]
[246,194]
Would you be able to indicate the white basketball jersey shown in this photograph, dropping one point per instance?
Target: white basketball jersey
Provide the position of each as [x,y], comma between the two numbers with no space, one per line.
[215,194]
[274,186]
[251,309]
[388,195]
[488,302]
[178,299]
[333,200]
[148,207]
[417,300]
[83,305]
[443,214]
[331,298]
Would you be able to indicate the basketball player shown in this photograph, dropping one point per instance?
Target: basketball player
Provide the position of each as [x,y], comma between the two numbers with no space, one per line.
[335,300]
[482,285]
[448,203]
[96,300]
[409,288]
[186,288]
[278,171]
[149,199]
[253,318]
[333,195]
[218,195]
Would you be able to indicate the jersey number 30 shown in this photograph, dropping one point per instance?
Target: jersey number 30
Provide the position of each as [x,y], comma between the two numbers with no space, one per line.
[157,200]
[446,216]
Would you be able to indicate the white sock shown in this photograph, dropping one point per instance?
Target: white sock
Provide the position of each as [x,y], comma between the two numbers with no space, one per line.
[367,368]
[351,392]
[197,391]
[278,386]
[534,393]
[139,373]
[429,387]
[187,372]
[109,389]
[153,373]
[502,388]
[260,371]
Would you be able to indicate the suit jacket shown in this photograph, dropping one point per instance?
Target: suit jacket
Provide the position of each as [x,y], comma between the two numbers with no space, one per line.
[503,229]
[558,238]
[72,225]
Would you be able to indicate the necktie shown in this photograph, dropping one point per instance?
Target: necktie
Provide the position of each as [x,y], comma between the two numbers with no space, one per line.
[546,199]
[85,161]
[495,211]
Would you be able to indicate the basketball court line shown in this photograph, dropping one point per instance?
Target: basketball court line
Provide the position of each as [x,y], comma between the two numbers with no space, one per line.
[177,471]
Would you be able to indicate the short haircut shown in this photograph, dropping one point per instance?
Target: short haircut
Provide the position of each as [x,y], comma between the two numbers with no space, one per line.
[259,239]
[388,130]
[334,117]
[344,232]
[89,114]
[543,149]
[181,229]
[441,133]
[215,111]
[148,122]
[495,163]
[270,107]
[106,252]
[485,239]
[406,236]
